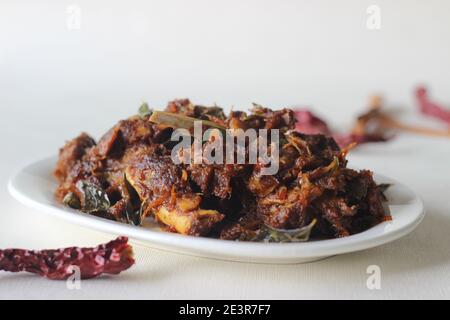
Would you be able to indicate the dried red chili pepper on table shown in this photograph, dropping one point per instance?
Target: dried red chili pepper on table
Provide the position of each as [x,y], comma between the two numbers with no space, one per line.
[372,125]
[430,108]
[112,258]
[309,123]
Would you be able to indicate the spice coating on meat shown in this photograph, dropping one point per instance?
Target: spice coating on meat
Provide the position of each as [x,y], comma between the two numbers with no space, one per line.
[70,154]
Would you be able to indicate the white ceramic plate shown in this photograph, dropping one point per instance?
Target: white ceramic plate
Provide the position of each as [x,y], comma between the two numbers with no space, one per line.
[34,186]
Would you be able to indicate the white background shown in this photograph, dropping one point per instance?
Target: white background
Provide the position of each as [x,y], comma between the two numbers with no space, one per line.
[56,82]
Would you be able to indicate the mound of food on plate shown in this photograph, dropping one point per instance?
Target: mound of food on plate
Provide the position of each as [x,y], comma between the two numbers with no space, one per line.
[130,175]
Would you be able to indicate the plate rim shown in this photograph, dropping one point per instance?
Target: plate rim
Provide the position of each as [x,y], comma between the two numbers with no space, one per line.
[230,250]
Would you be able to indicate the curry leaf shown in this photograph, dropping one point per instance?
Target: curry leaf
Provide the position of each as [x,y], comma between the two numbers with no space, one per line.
[95,198]
[133,216]
[144,110]
[383,187]
[71,200]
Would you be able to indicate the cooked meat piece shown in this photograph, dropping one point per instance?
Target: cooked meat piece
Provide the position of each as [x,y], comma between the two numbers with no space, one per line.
[165,193]
[153,174]
[337,213]
[213,180]
[185,107]
[315,150]
[245,228]
[196,222]
[118,210]
[210,113]
[283,119]
[202,176]
[262,185]
[124,135]
[262,118]
[181,106]
[82,169]
[287,207]
[70,154]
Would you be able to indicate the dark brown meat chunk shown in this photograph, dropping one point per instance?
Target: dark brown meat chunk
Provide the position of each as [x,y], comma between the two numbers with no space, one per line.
[73,151]
[262,118]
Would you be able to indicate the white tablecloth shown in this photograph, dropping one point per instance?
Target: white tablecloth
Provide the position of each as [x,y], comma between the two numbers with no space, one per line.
[55,83]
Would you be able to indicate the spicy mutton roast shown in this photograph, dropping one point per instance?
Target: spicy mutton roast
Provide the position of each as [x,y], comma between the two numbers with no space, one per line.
[130,175]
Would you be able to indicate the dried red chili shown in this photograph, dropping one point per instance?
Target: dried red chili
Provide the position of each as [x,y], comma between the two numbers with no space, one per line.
[346,139]
[430,108]
[372,125]
[112,258]
[309,123]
